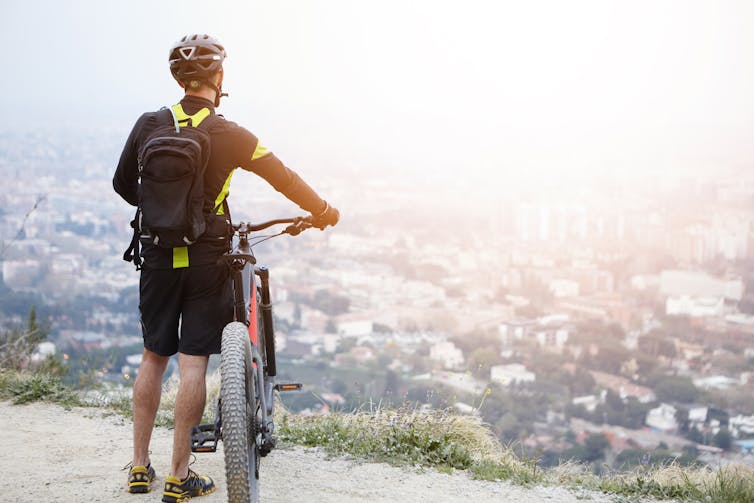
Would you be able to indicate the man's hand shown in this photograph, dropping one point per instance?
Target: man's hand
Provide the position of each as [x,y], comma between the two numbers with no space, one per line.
[329,216]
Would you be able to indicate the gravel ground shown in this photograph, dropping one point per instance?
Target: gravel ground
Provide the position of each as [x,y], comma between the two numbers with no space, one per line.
[57,455]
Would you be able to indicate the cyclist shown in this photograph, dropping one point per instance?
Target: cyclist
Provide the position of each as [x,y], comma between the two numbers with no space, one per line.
[183,289]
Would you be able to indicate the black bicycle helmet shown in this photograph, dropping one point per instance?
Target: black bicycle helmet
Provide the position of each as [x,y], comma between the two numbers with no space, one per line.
[196,57]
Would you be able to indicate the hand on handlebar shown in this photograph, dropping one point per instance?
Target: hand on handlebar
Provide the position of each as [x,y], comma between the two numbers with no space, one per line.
[329,216]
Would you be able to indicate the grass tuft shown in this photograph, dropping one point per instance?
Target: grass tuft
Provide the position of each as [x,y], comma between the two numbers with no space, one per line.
[22,387]
[729,484]
[447,441]
[433,438]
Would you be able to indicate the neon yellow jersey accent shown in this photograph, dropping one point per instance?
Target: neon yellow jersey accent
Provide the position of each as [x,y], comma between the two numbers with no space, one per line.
[222,195]
[180,257]
[259,151]
[183,117]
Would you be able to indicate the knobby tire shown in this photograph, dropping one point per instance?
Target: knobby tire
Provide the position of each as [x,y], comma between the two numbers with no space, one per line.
[239,406]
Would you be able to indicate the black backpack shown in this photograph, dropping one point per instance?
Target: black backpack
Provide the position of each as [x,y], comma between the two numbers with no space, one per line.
[172,210]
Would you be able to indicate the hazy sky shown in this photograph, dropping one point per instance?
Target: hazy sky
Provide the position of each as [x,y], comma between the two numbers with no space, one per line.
[499,89]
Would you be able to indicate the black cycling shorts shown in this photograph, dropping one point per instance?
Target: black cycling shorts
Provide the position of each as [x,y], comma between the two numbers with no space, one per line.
[197,300]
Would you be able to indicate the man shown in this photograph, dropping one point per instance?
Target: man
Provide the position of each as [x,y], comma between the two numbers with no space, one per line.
[183,286]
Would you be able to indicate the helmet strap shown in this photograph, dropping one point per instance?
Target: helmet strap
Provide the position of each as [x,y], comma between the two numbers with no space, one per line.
[218,92]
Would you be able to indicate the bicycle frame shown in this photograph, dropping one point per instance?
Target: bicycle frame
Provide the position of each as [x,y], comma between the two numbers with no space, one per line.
[248,426]
[248,310]
[253,308]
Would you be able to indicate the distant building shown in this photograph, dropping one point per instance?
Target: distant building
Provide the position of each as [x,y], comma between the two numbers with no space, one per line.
[550,332]
[67,263]
[715,382]
[447,354]
[465,408]
[592,280]
[355,328]
[674,283]
[607,307]
[362,354]
[547,222]
[645,282]
[20,274]
[564,288]
[733,329]
[662,418]
[589,402]
[460,381]
[552,339]
[688,350]
[513,373]
[515,330]
[313,320]
[741,425]
[43,350]
[698,417]
[697,307]
[333,398]
[623,387]
[85,340]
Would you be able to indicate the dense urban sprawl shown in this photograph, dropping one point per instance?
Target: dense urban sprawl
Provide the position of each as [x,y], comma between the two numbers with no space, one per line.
[611,322]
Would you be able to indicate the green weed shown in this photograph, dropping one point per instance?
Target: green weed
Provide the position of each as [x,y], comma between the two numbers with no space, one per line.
[38,387]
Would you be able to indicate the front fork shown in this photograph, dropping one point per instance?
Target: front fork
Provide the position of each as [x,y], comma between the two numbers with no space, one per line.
[265,388]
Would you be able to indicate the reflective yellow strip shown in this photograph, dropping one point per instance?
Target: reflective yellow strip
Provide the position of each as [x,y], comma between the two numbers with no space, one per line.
[223,194]
[260,151]
[180,257]
[196,119]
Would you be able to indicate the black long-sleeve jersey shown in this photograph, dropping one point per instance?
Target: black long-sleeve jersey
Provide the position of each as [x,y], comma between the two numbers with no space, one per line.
[232,147]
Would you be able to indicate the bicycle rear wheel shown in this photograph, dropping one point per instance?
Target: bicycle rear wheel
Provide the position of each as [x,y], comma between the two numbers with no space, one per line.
[239,405]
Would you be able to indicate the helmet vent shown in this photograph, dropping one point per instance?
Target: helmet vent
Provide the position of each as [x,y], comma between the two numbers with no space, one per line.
[187,52]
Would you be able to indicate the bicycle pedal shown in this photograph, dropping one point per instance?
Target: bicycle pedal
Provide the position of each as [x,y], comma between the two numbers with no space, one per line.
[204,438]
[288,386]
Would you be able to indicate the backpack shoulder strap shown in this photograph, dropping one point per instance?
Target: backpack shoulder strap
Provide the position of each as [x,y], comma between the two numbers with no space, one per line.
[181,118]
[174,114]
[208,121]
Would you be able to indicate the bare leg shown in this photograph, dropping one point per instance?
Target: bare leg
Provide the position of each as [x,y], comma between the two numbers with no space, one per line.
[147,391]
[189,406]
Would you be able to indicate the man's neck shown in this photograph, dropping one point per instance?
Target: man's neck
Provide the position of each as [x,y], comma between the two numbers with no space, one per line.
[203,92]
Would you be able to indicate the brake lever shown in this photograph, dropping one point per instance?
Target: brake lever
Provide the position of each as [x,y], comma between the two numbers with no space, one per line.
[293,230]
[301,224]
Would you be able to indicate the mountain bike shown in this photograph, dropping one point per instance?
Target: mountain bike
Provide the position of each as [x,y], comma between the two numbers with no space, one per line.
[244,419]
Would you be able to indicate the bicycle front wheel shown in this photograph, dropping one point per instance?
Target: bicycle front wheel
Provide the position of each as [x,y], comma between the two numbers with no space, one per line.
[239,405]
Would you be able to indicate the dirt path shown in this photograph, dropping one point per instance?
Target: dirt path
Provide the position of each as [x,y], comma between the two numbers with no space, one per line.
[54,455]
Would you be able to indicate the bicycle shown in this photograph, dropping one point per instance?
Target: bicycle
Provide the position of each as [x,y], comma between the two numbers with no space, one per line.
[244,413]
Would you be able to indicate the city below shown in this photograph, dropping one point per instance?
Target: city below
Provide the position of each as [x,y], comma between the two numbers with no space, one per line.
[609,320]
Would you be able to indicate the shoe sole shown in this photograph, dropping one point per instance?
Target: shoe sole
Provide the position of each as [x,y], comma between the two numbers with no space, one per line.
[140,489]
[177,498]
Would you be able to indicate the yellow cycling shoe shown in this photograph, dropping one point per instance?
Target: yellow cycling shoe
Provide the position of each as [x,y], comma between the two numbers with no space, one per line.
[178,491]
[140,477]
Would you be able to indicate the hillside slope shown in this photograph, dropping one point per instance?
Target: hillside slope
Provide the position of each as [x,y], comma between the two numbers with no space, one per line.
[59,455]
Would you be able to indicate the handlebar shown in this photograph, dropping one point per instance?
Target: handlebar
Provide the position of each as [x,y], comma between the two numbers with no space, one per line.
[297,224]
